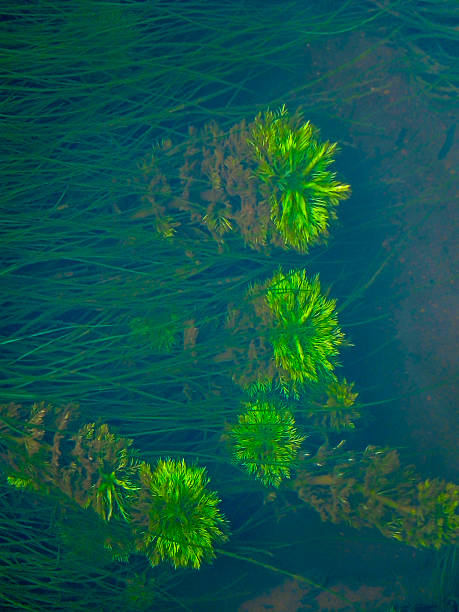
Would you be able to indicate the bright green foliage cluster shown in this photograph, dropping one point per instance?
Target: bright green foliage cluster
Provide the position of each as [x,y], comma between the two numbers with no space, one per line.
[268,181]
[266,441]
[94,467]
[169,514]
[183,520]
[294,164]
[305,333]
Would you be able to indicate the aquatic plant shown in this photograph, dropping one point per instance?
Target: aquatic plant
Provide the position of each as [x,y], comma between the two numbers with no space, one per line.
[305,335]
[92,467]
[427,34]
[48,554]
[177,518]
[302,325]
[284,331]
[373,490]
[435,519]
[87,259]
[158,332]
[206,185]
[333,407]
[294,164]
[31,444]
[171,513]
[117,467]
[267,180]
[266,442]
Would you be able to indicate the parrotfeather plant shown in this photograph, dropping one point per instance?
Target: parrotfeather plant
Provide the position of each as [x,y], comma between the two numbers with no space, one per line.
[170,513]
[266,441]
[333,408]
[285,330]
[86,267]
[305,334]
[115,483]
[295,165]
[372,489]
[268,181]
[180,519]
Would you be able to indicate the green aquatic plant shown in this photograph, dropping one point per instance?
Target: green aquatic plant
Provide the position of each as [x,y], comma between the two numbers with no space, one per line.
[267,180]
[117,467]
[169,513]
[48,553]
[286,317]
[81,260]
[295,165]
[372,489]
[110,492]
[305,334]
[31,444]
[89,468]
[435,519]
[333,408]
[159,331]
[93,467]
[266,441]
[427,34]
[177,518]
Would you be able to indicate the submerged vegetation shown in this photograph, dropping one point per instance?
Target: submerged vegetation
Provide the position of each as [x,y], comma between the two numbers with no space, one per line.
[372,489]
[294,165]
[169,513]
[266,442]
[160,238]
